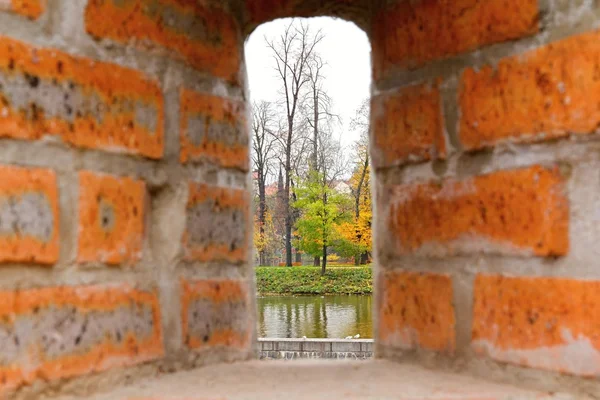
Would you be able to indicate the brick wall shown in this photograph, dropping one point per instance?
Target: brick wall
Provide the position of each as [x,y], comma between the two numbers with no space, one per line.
[124,202]
[484,141]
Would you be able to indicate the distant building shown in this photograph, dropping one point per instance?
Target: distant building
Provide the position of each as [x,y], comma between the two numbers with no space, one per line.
[342,187]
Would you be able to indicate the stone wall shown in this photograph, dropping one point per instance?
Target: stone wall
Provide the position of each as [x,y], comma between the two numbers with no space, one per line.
[124,211]
[124,190]
[484,140]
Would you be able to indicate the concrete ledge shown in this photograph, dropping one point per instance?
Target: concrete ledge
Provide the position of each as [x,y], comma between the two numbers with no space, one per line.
[359,349]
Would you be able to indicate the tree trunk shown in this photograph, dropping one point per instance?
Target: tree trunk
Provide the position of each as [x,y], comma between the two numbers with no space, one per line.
[262,209]
[315,156]
[298,256]
[317,261]
[358,259]
[364,258]
[324,263]
[286,200]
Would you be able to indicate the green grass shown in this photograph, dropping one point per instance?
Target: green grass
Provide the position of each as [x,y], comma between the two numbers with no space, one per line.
[308,280]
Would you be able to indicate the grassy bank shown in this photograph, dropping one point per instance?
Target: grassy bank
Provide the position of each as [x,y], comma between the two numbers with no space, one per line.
[308,280]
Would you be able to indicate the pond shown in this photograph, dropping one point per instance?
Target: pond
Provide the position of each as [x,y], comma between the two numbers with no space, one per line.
[315,316]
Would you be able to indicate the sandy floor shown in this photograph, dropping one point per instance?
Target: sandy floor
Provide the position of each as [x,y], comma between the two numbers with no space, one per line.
[326,380]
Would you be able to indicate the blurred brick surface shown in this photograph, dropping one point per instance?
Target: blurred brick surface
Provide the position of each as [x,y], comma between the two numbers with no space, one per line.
[63,332]
[86,103]
[200,33]
[543,94]
[216,313]
[408,125]
[409,34]
[523,211]
[416,311]
[111,218]
[218,225]
[213,130]
[547,323]
[31,9]
[29,215]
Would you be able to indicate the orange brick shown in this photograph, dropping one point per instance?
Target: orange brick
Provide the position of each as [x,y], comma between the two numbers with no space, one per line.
[218,224]
[31,9]
[84,102]
[408,126]
[111,219]
[547,323]
[29,217]
[512,212]
[546,93]
[410,34]
[63,332]
[416,310]
[201,33]
[213,130]
[216,313]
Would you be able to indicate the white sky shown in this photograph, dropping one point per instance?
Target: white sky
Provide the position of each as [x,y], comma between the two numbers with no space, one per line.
[345,49]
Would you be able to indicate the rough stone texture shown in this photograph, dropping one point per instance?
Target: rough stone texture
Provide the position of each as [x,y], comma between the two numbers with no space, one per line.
[521,211]
[543,94]
[218,224]
[415,310]
[55,333]
[409,34]
[32,9]
[216,313]
[111,219]
[407,126]
[85,103]
[213,130]
[545,323]
[29,216]
[201,33]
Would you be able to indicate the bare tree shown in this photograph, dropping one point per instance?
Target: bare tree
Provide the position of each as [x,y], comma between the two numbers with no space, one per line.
[262,159]
[317,106]
[292,52]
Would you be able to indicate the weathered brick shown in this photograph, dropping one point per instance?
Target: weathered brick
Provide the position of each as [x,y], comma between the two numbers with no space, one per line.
[216,313]
[62,332]
[31,9]
[410,34]
[201,33]
[217,226]
[29,216]
[522,211]
[408,125]
[260,11]
[213,130]
[548,323]
[416,311]
[84,102]
[546,93]
[111,219]
[267,10]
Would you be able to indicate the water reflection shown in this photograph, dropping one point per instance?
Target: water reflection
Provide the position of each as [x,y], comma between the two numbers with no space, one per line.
[315,316]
